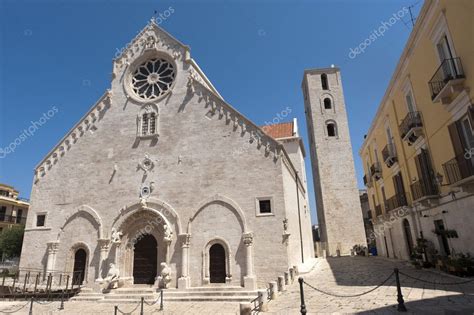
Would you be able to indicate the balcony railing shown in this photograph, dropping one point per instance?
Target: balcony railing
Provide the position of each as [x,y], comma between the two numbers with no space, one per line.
[378,210]
[389,154]
[376,171]
[421,189]
[450,69]
[411,121]
[397,201]
[12,219]
[458,169]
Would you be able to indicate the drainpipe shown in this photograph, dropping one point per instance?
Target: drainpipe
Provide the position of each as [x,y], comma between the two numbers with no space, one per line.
[299,216]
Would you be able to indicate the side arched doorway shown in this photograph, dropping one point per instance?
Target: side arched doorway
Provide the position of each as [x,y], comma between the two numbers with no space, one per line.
[80,260]
[145,260]
[217,264]
[409,239]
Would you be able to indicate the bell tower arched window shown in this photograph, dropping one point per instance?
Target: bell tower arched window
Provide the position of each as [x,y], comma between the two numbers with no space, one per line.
[331,128]
[324,81]
[327,103]
[147,121]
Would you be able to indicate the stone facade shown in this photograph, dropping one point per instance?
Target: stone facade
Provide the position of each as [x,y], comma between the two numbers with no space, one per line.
[191,176]
[337,197]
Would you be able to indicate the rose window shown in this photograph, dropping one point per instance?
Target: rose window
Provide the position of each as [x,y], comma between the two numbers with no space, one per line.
[153,78]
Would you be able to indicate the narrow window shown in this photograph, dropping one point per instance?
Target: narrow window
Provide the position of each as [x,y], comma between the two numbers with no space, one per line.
[145,124]
[152,123]
[265,206]
[40,219]
[327,103]
[331,129]
[324,81]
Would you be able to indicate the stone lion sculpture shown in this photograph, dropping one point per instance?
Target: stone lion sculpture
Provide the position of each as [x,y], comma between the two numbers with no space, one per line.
[165,278]
[112,280]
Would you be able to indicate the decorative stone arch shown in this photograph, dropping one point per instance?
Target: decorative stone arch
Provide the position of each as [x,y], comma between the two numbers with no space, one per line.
[89,212]
[217,198]
[156,206]
[206,260]
[71,256]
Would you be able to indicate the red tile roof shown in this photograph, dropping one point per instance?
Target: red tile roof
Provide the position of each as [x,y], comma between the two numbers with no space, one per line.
[277,131]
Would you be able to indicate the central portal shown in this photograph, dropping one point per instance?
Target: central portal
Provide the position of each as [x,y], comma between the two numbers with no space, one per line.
[145,260]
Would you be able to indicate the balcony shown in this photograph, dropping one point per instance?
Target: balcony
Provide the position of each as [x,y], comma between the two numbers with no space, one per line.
[447,80]
[411,127]
[376,171]
[378,210]
[389,154]
[397,201]
[424,190]
[12,219]
[367,181]
[459,171]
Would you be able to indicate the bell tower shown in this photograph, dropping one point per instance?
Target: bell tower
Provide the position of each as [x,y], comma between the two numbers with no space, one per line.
[337,197]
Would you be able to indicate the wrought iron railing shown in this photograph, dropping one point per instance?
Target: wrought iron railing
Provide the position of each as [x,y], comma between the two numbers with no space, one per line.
[389,154]
[12,219]
[411,120]
[450,69]
[396,201]
[458,169]
[423,188]
[35,283]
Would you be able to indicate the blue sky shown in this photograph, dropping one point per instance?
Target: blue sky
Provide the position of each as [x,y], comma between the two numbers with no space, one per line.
[59,54]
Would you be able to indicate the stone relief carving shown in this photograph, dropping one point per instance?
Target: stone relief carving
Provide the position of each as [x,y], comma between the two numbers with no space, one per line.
[168,233]
[116,236]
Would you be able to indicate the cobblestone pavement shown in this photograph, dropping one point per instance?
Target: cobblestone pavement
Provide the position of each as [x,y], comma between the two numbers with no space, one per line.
[341,276]
[354,275]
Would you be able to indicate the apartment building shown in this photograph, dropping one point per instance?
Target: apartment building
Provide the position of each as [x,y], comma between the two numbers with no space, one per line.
[13,209]
[418,154]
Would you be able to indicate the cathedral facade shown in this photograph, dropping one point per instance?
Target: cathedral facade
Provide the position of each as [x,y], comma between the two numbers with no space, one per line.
[166,184]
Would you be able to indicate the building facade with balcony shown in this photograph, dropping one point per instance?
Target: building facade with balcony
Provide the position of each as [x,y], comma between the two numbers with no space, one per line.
[418,154]
[13,209]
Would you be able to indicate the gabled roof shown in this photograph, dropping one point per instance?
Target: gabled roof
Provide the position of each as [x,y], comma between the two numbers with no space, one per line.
[276,131]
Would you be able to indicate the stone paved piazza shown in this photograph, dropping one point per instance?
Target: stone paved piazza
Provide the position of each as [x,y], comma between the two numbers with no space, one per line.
[344,276]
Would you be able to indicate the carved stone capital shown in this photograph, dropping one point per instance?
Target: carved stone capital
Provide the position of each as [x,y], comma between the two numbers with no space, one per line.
[248,238]
[104,244]
[185,239]
[53,247]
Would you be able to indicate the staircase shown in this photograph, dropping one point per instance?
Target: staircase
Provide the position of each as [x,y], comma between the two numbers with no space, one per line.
[203,294]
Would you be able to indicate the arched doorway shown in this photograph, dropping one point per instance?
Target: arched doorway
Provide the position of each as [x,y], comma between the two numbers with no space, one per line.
[80,260]
[407,230]
[145,260]
[217,270]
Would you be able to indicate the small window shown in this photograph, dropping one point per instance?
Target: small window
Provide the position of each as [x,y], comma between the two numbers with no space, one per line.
[147,121]
[327,103]
[331,129]
[40,219]
[265,206]
[324,81]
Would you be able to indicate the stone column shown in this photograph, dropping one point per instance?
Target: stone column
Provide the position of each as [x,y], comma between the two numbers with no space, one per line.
[52,250]
[250,281]
[104,245]
[183,281]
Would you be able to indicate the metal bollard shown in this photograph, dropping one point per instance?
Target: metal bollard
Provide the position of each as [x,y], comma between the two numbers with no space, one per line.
[141,307]
[303,306]
[161,300]
[61,306]
[31,307]
[401,303]
[115,309]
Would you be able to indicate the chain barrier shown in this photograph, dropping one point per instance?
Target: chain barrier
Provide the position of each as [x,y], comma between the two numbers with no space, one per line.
[121,312]
[11,312]
[152,303]
[44,303]
[436,283]
[352,295]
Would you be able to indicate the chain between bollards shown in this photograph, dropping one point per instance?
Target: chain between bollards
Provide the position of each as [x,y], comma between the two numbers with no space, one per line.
[303,306]
[401,303]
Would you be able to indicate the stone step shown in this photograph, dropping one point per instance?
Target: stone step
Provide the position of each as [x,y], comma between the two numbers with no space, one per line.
[87,298]
[216,288]
[235,299]
[130,296]
[170,293]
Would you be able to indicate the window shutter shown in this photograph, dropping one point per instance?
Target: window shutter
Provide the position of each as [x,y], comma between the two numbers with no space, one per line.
[456,139]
